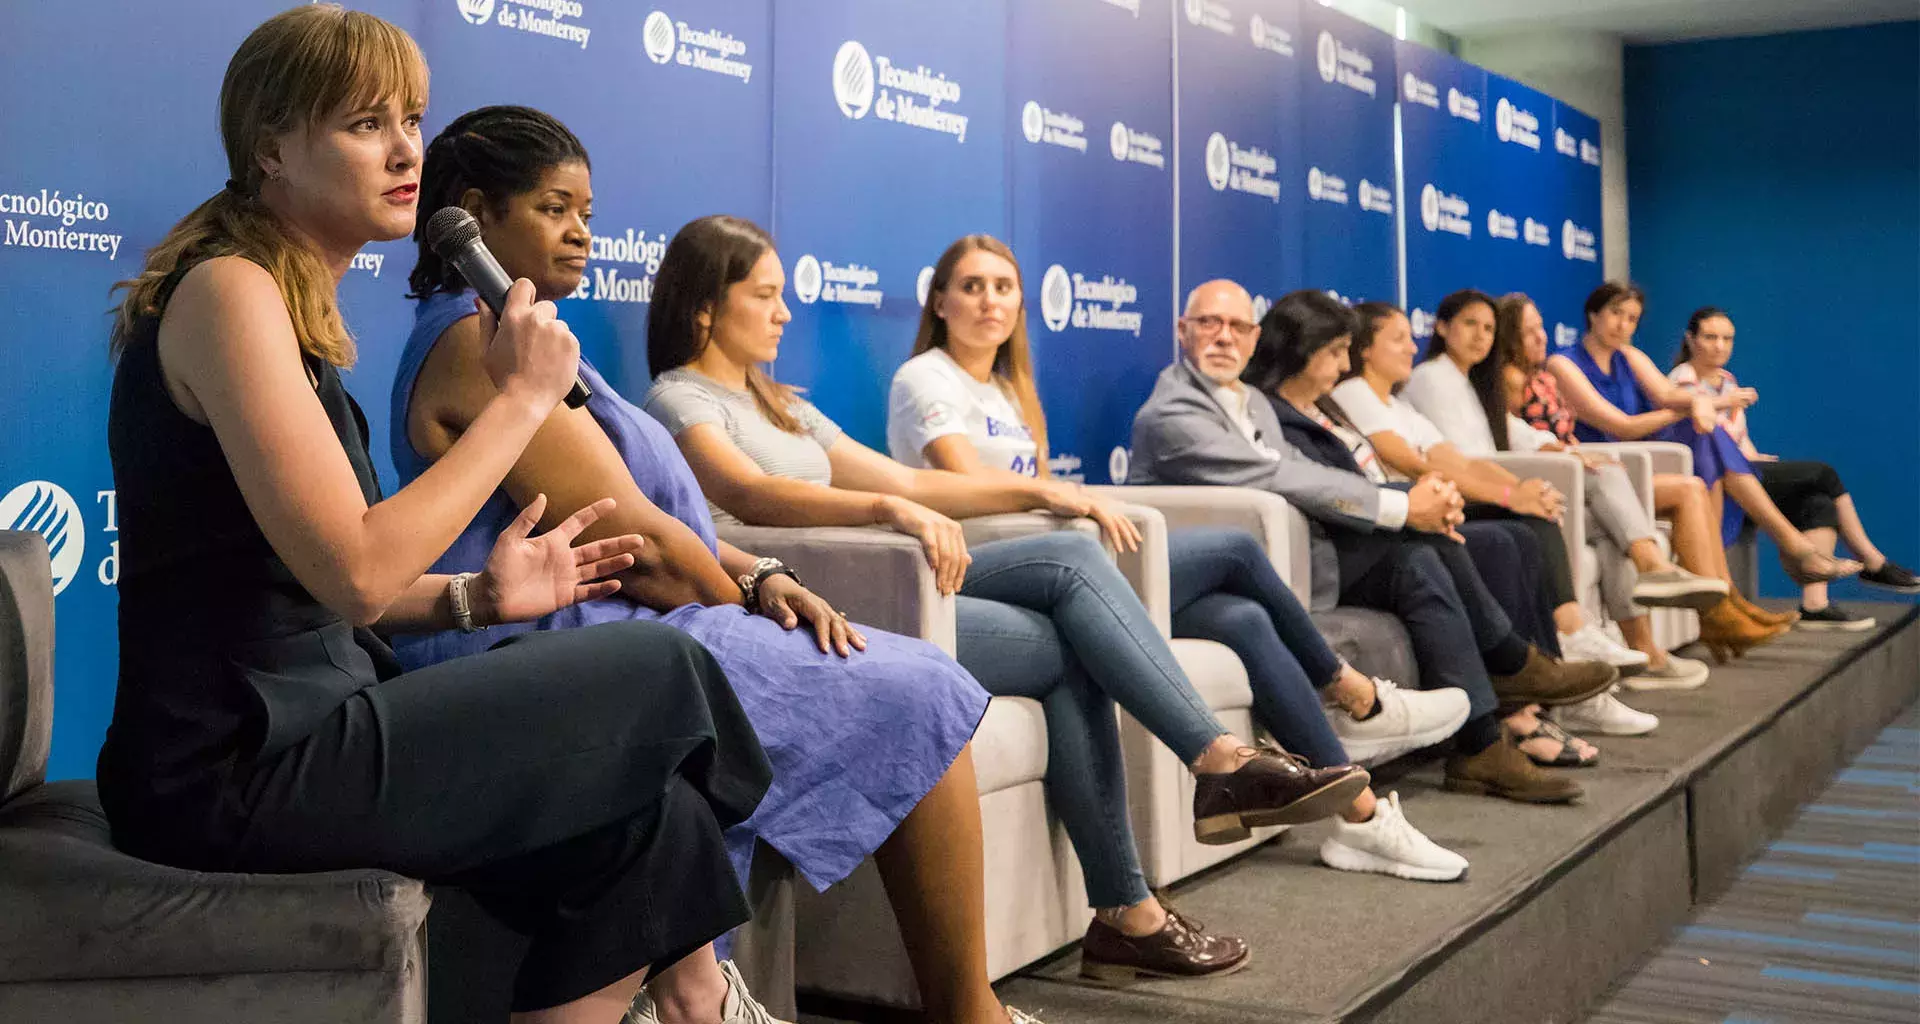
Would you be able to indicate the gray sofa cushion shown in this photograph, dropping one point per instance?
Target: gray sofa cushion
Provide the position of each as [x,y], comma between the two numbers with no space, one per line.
[72,906]
[1373,642]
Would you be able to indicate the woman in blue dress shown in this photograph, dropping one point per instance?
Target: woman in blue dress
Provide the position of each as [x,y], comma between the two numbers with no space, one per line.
[868,733]
[1620,395]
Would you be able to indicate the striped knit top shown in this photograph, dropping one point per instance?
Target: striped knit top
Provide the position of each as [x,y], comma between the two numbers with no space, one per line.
[683,398]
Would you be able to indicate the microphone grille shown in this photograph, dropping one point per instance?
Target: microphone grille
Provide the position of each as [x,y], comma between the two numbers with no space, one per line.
[449,229]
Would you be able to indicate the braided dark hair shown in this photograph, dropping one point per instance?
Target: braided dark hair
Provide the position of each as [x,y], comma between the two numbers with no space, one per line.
[503,151]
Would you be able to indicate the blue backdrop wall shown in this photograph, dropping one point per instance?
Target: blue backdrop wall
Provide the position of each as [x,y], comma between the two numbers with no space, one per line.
[1128,149]
[1779,177]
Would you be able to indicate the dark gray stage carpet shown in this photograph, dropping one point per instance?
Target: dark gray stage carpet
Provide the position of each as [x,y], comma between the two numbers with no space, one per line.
[1560,902]
[1823,926]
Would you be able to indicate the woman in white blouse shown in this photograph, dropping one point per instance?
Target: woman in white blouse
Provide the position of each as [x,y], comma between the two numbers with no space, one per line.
[1460,387]
[1410,445]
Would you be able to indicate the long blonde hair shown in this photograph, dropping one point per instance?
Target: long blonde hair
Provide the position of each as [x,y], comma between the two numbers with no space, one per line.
[296,68]
[1013,363]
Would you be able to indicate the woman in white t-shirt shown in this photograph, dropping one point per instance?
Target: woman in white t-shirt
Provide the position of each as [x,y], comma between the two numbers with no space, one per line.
[1460,386]
[1410,445]
[966,403]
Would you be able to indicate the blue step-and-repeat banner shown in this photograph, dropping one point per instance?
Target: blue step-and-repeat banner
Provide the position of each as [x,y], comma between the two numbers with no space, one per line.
[1502,189]
[1127,149]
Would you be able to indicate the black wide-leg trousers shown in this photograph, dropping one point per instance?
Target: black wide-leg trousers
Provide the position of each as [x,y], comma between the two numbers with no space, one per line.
[576,783]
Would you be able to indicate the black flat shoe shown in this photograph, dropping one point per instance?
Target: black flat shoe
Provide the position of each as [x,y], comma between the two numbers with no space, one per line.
[1891,577]
[1834,618]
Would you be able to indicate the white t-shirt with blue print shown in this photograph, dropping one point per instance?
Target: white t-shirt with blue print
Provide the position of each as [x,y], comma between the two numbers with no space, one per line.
[933,397]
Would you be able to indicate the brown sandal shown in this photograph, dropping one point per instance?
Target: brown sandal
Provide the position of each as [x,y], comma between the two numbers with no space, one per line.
[1569,757]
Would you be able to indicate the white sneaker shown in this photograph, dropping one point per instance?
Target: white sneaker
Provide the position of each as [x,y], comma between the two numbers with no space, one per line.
[1591,643]
[1605,715]
[1408,720]
[1390,845]
[739,1006]
[1679,674]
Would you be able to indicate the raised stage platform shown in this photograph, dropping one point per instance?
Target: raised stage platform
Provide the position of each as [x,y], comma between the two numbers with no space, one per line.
[1561,900]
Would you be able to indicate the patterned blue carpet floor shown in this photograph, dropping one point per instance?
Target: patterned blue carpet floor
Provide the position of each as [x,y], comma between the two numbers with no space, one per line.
[1823,926]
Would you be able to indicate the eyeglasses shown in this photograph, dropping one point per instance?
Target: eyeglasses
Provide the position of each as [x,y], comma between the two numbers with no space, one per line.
[1211,324]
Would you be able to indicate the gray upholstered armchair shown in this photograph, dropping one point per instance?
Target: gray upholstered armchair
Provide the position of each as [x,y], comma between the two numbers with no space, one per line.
[89,934]
[1672,627]
[848,945]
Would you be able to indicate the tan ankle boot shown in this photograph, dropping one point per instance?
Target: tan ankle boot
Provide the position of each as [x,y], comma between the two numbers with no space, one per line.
[1761,615]
[1728,632]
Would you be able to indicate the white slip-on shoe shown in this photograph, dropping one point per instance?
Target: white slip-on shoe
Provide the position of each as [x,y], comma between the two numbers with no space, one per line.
[1407,720]
[739,1007]
[1390,845]
[1605,715]
[1678,674]
[1678,588]
[1591,643]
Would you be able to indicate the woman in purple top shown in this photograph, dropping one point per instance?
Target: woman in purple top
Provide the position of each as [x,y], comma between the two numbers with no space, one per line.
[1618,394]
[868,732]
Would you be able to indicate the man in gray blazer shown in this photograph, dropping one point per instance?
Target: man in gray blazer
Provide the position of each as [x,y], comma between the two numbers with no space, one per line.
[1393,548]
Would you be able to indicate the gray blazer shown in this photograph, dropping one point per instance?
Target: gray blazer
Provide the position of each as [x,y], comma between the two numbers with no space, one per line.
[1183,436]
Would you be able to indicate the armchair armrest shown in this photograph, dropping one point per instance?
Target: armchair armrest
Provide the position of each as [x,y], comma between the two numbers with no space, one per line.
[1639,467]
[1667,456]
[26,661]
[1145,569]
[1564,472]
[1277,525]
[1014,525]
[877,577]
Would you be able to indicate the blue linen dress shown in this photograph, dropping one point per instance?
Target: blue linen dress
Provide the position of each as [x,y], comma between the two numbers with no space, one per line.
[1715,453]
[855,743]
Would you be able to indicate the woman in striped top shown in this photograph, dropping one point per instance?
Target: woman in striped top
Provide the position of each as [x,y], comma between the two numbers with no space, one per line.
[1808,493]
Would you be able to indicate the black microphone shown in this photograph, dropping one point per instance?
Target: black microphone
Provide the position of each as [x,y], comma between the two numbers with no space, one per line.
[454,236]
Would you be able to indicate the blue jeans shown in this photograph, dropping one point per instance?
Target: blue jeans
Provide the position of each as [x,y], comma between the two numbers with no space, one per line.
[1223,588]
[1050,617]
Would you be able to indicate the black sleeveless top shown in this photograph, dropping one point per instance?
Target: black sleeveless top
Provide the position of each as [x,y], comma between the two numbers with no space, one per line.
[225,657]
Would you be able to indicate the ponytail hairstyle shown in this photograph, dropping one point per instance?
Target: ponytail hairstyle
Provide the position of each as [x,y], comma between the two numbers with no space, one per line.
[1700,316]
[1485,375]
[1366,323]
[295,69]
[501,152]
[1013,363]
[1607,294]
[705,258]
